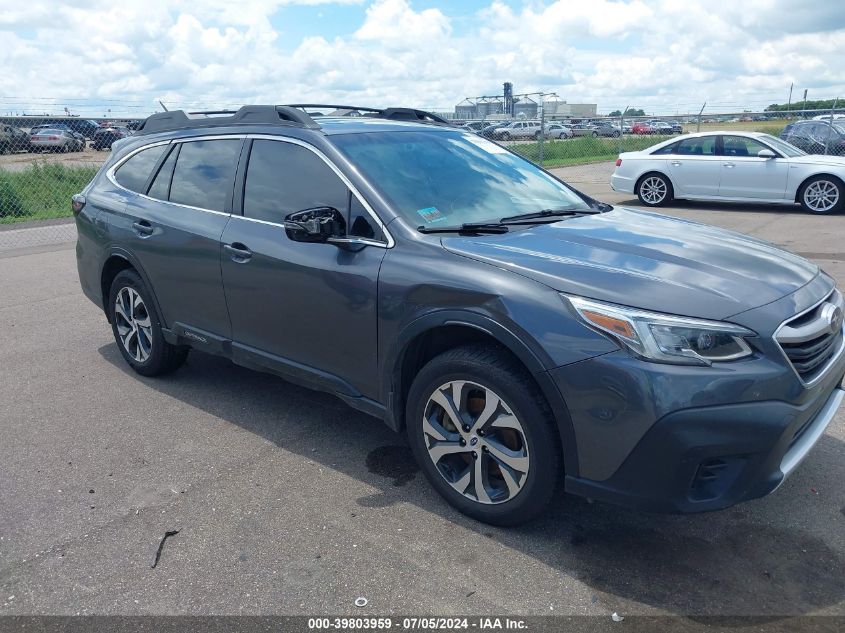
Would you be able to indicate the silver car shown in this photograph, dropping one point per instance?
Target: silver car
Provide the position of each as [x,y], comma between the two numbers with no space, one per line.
[55,140]
[558,130]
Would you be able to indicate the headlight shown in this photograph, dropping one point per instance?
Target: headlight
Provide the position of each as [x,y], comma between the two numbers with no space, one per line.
[665,338]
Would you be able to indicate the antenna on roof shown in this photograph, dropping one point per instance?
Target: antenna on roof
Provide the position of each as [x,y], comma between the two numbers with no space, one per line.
[163,106]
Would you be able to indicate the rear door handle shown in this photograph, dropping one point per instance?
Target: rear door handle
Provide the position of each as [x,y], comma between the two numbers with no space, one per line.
[238,252]
[143,228]
[728,164]
[676,163]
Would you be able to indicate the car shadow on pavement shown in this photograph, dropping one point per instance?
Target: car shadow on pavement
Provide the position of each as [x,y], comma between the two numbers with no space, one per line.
[740,561]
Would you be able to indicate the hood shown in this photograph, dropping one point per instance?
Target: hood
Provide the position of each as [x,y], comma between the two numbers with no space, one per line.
[820,159]
[647,261]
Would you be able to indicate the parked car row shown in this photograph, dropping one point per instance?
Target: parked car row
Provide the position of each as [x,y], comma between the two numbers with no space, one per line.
[531,129]
[57,138]
[657,127]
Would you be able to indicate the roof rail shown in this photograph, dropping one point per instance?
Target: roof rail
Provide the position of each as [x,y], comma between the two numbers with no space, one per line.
[346,108]
[247,115]
[395,114]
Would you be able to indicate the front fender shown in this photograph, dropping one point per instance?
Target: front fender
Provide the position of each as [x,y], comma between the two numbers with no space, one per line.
[529,353]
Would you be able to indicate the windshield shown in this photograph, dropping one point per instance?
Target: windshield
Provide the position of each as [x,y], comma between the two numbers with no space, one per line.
[443,178]
[787,149]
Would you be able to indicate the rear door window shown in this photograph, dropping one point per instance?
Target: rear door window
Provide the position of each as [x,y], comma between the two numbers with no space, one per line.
[134,173]
[204,174]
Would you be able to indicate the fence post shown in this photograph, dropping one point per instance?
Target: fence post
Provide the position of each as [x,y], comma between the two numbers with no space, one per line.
[621,130]
[542,126]
[830,129]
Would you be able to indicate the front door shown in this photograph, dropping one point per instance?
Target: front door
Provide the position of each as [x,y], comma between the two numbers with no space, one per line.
[305,309]
[746,175]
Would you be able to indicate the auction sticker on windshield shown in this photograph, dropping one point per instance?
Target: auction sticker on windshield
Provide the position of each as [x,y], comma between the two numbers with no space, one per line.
[431,214]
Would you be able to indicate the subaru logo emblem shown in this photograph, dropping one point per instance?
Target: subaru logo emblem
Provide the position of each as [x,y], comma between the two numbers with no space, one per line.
[833,315]
[473,441]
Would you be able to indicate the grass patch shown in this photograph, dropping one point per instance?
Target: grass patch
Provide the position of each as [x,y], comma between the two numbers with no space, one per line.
[584,149]
[41,191]
[772,126]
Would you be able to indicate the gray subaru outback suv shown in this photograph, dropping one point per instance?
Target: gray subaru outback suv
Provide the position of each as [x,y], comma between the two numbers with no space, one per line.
[523,334]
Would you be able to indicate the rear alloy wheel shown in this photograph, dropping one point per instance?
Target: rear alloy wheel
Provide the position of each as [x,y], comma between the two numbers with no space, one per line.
[822,195]
[654,190]
[137,328]
[506,136]
[483,435]
[595,134]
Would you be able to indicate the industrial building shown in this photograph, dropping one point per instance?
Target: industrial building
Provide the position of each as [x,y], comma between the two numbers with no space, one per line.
[509,105]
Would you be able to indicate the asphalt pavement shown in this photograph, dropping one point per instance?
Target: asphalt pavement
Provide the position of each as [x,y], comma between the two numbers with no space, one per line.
[281,500]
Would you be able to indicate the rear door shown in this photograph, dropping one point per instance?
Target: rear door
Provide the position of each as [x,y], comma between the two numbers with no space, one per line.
[305,309]
[746,175]
[694,166]
[173,227]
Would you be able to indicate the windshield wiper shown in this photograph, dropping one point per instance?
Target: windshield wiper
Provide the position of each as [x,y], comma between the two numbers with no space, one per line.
[547,213]
[469,227]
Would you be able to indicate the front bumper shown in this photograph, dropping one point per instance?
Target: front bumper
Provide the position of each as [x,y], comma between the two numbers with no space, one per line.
[677,439]
[712,458]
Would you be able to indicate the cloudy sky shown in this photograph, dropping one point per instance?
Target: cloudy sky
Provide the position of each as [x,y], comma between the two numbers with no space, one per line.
[665,56]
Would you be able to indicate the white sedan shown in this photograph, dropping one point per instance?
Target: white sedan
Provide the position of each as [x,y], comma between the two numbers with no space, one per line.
[732,167]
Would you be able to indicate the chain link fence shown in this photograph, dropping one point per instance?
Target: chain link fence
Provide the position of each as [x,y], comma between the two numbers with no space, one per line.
[44,161]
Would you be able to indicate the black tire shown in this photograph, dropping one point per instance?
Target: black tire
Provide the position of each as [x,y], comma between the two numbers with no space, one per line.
[832,185]
[647,185]
[163,357]
[595,134]
[537,136]
[617,134]
[497,371]
[505,136]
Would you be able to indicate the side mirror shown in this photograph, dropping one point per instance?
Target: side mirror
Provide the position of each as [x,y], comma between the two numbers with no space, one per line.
[318,224]
[766,153]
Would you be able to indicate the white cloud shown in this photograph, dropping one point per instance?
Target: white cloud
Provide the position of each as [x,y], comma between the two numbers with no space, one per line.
[663,54]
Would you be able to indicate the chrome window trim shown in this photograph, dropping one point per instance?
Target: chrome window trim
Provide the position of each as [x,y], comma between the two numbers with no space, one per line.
[831,361]
[268,137]
[295,141]
[113,168]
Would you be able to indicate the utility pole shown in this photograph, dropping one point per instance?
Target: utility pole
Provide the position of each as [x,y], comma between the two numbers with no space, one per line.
[804,109]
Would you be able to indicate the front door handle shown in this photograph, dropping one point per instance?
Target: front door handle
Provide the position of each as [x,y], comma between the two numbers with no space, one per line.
[143,228]
[728,164]
[676,163]
[238,252]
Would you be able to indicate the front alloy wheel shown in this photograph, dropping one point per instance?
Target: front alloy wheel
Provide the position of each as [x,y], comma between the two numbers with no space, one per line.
[821,196]
[476,442]
[484,435]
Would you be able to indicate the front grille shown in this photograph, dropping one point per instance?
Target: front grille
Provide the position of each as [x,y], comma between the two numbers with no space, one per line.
[813,338]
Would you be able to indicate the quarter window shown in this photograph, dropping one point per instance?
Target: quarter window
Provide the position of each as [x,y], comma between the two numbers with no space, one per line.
[160,188]
[133,174]
[283,178]
[204,173]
